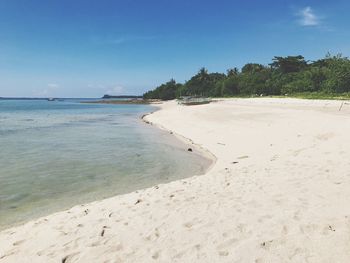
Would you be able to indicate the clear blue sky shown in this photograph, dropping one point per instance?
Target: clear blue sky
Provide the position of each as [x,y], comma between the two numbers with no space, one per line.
[86,48]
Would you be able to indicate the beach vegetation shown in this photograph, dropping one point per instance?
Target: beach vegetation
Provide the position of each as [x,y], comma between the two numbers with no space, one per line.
[166,91]
[293,76]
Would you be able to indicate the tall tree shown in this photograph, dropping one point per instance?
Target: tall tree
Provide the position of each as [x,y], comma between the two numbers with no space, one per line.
[289,64]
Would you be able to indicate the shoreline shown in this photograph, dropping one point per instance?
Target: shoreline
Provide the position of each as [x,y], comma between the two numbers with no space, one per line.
[277,192]
[186,142]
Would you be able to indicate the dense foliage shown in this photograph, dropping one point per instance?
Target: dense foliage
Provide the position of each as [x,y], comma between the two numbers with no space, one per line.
[167,91]
[285,75]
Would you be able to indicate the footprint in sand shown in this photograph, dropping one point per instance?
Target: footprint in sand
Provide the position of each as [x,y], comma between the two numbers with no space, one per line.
[284,230]
[155,255]
[9,253]
[325,136]
[309,229]
[227,244]
[69,257]
[266,244]
[297,252]
[188,225]
[223,253]
[19,242]
[274,158]
[298,151]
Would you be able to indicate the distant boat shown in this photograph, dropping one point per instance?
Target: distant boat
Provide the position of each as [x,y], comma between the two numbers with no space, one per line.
[51,99]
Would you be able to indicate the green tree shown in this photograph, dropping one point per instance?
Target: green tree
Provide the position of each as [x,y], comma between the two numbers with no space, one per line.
[165,91]
[253,79]
[285,75]
[289,64]
[203,83]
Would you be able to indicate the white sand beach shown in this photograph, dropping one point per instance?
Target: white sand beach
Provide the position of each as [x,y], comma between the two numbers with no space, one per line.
[279,191]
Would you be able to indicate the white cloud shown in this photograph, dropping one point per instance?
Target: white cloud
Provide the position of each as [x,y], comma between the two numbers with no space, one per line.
[53,85]
[308,17]
[41,93]
[116,90]
[46,92]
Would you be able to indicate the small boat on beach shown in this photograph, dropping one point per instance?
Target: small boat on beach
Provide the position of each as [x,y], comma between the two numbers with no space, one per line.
[189,100]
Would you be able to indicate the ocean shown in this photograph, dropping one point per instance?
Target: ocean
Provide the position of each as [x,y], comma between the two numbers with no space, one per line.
[57,154]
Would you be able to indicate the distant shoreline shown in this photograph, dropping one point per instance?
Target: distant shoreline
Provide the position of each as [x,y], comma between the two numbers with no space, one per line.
[132,101]
[55,98]
[122,97]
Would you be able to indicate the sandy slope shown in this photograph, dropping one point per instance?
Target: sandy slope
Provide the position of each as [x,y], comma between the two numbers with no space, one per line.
[279,192]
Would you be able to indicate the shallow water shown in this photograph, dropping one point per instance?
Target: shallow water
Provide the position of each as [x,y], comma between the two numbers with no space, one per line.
[54,155]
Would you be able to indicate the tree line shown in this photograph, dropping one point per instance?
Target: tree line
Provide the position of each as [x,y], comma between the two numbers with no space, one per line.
[283,76]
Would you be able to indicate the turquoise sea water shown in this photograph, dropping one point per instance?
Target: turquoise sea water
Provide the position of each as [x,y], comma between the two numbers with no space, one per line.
[54,155]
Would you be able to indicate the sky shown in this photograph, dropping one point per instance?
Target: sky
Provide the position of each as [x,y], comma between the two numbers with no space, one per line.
[88,48]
